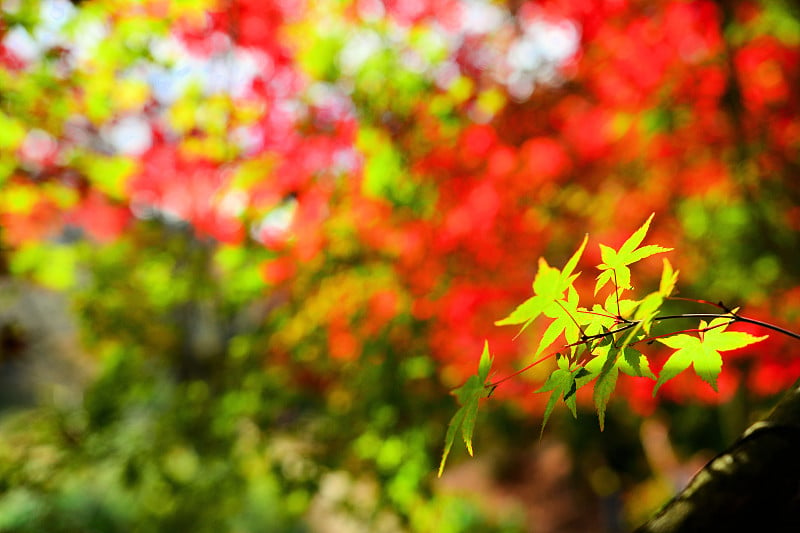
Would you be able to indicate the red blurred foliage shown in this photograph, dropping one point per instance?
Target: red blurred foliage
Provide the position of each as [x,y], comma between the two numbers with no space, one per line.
[278,271]
[765,68]
[43,221]
[191,193]
[381,309]
[101,219]
[342,340]
[8,59]
[648,89]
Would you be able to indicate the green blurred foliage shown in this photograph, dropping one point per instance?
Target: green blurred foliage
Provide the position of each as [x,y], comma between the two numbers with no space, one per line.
[198,421]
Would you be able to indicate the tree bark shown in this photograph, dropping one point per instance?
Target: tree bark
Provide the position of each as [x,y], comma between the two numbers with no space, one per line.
[752,486]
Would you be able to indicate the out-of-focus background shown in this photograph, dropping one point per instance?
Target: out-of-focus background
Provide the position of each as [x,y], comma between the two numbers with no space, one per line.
[247,247]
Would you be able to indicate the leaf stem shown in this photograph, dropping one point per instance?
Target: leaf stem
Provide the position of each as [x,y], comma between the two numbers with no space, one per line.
[495,384]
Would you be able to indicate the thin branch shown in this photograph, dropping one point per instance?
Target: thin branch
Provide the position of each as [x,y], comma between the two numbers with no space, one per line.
[683,331]
[767,325]
[610,333]
[735,318]
[712,316]
[587,339]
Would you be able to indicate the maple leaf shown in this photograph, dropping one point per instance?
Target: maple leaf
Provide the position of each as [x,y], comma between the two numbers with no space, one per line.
[563,382]
[615,262]
[615,305]
[607,364]
[564,314]
[468,395]
[703,352]
[549,286]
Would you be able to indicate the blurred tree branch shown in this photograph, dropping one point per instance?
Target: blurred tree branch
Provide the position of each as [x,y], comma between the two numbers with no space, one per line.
[753,485]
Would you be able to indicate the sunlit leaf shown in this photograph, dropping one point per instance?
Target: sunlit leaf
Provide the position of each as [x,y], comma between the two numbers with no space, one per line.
[549,286]
[615,263]
[561,384]
[468,395]
[565,314]
[702,352]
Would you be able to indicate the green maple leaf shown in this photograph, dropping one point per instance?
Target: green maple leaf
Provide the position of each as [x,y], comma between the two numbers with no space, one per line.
[610,360]
[563,382]
[615,304]
[549,286]
[468,395]
[651,304]
[615,262]
[702,352]
[564,314]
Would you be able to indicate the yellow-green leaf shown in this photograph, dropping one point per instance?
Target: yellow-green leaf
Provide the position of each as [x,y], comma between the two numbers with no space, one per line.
[702,352]
[469,396]
[615,263]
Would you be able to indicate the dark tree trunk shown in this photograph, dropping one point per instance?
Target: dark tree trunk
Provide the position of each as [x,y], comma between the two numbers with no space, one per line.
[752,486]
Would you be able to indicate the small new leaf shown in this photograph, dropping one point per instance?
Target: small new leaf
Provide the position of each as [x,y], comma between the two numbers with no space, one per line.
[562,383]
[702,352]
[651,304]
[485,363]
[615,262]
[669,277]
[468,395]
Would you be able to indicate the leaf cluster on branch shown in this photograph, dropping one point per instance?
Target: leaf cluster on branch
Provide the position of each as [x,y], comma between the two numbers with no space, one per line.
[605,339]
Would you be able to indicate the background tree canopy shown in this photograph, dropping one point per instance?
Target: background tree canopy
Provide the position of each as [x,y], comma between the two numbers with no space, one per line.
[247,248]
